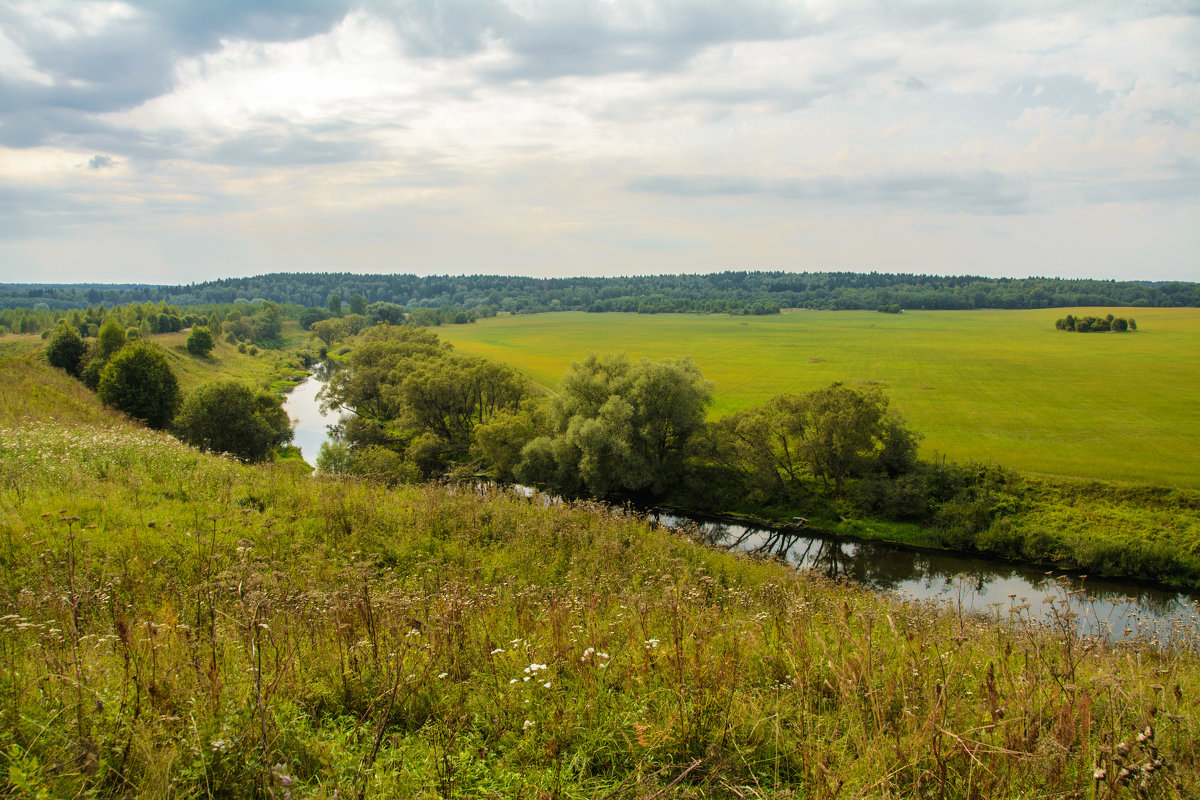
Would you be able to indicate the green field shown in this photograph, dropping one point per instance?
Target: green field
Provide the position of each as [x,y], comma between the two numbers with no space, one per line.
[997,386]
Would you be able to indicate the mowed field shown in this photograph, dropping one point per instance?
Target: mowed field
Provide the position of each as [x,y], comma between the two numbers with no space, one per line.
[992,385]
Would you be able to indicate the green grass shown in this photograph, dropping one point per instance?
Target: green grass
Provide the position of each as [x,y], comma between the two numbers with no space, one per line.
[991,386]
[174,624]
[268,368]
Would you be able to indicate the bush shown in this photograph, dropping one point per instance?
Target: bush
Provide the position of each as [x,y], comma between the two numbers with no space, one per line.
[139,381]
[65,349]
[200,342]
[230,417]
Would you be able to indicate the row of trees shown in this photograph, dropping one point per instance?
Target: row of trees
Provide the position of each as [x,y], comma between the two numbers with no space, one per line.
[1091,324]
[726,292]
[617,429]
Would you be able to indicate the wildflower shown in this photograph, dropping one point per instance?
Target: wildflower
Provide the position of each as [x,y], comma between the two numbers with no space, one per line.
[546,684]
[444,674]
[528,724]
[497,651]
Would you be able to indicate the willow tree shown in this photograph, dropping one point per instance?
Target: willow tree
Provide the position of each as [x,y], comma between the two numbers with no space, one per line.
[619,426]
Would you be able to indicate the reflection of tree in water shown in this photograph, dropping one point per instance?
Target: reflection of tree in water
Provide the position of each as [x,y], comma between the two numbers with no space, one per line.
[1154,601]
[886,568]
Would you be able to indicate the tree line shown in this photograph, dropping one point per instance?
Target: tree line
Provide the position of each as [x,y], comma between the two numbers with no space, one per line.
[634,430]
[734,292]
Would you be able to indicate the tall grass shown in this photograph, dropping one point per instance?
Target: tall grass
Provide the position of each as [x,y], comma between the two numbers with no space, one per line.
[178,625]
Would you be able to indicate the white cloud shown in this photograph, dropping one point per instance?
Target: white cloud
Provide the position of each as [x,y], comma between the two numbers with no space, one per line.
[606,137]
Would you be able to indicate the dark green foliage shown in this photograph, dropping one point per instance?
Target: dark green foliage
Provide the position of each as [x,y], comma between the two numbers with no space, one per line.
[312,315]
[358,304]
[200,341]
[262,326]
[1091,324]
[413,395]
[90,370]
[440,297]
[230,417]
[832,434]
[111,338]
[391,313]
[620,426]
[65,349]
[890,308]
[139,381]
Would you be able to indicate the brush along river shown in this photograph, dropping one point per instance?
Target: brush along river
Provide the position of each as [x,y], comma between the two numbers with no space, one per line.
[1001,590]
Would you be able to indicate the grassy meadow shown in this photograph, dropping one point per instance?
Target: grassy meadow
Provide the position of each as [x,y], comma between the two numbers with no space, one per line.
[178,625]
[989,385]
[266,368]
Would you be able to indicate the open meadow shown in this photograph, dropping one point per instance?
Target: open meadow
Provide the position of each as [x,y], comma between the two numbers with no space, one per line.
[989,385]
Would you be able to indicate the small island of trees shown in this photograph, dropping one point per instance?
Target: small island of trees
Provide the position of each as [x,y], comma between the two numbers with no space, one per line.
[1096,324]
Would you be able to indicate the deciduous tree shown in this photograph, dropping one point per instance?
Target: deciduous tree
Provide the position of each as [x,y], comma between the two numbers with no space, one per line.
[620,426]
[200,341]
[230,417]
[65,349]
[138,380]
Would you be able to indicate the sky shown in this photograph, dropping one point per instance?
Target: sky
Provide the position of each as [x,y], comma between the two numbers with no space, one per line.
[171,141]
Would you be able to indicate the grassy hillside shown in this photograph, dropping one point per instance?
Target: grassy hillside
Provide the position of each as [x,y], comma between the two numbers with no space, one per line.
[265,367]
[179,625]
[998,386]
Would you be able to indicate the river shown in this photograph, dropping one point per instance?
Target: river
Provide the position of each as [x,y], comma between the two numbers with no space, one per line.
[1102,607]
[303,407]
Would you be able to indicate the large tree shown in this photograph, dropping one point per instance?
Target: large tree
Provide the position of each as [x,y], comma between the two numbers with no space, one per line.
[832,434]
[620,426]
[138,380]
[230,417]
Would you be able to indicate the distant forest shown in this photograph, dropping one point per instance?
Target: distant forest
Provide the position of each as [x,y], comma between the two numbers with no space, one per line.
[724,292]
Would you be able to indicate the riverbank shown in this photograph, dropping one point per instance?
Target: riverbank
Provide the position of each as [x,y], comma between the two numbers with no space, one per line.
[1144,533]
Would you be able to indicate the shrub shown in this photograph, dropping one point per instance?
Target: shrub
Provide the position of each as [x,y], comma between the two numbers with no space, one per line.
[230,417]
[139,381]
[200,342]
[65,349]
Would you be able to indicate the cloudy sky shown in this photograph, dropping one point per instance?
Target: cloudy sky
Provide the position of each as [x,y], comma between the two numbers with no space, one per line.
[172,141]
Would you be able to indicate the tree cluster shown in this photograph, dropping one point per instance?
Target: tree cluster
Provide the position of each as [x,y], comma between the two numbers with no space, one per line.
[134,375]
[414,405]
[230,417]
[617,429]
[1091,324]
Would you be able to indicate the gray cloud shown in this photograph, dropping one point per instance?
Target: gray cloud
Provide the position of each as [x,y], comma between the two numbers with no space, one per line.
[132,59]
[588,38]
[977,193]
[285,149]
[101,162]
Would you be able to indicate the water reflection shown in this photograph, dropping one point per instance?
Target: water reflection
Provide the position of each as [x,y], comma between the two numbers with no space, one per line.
[1117,609]
[303,407]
